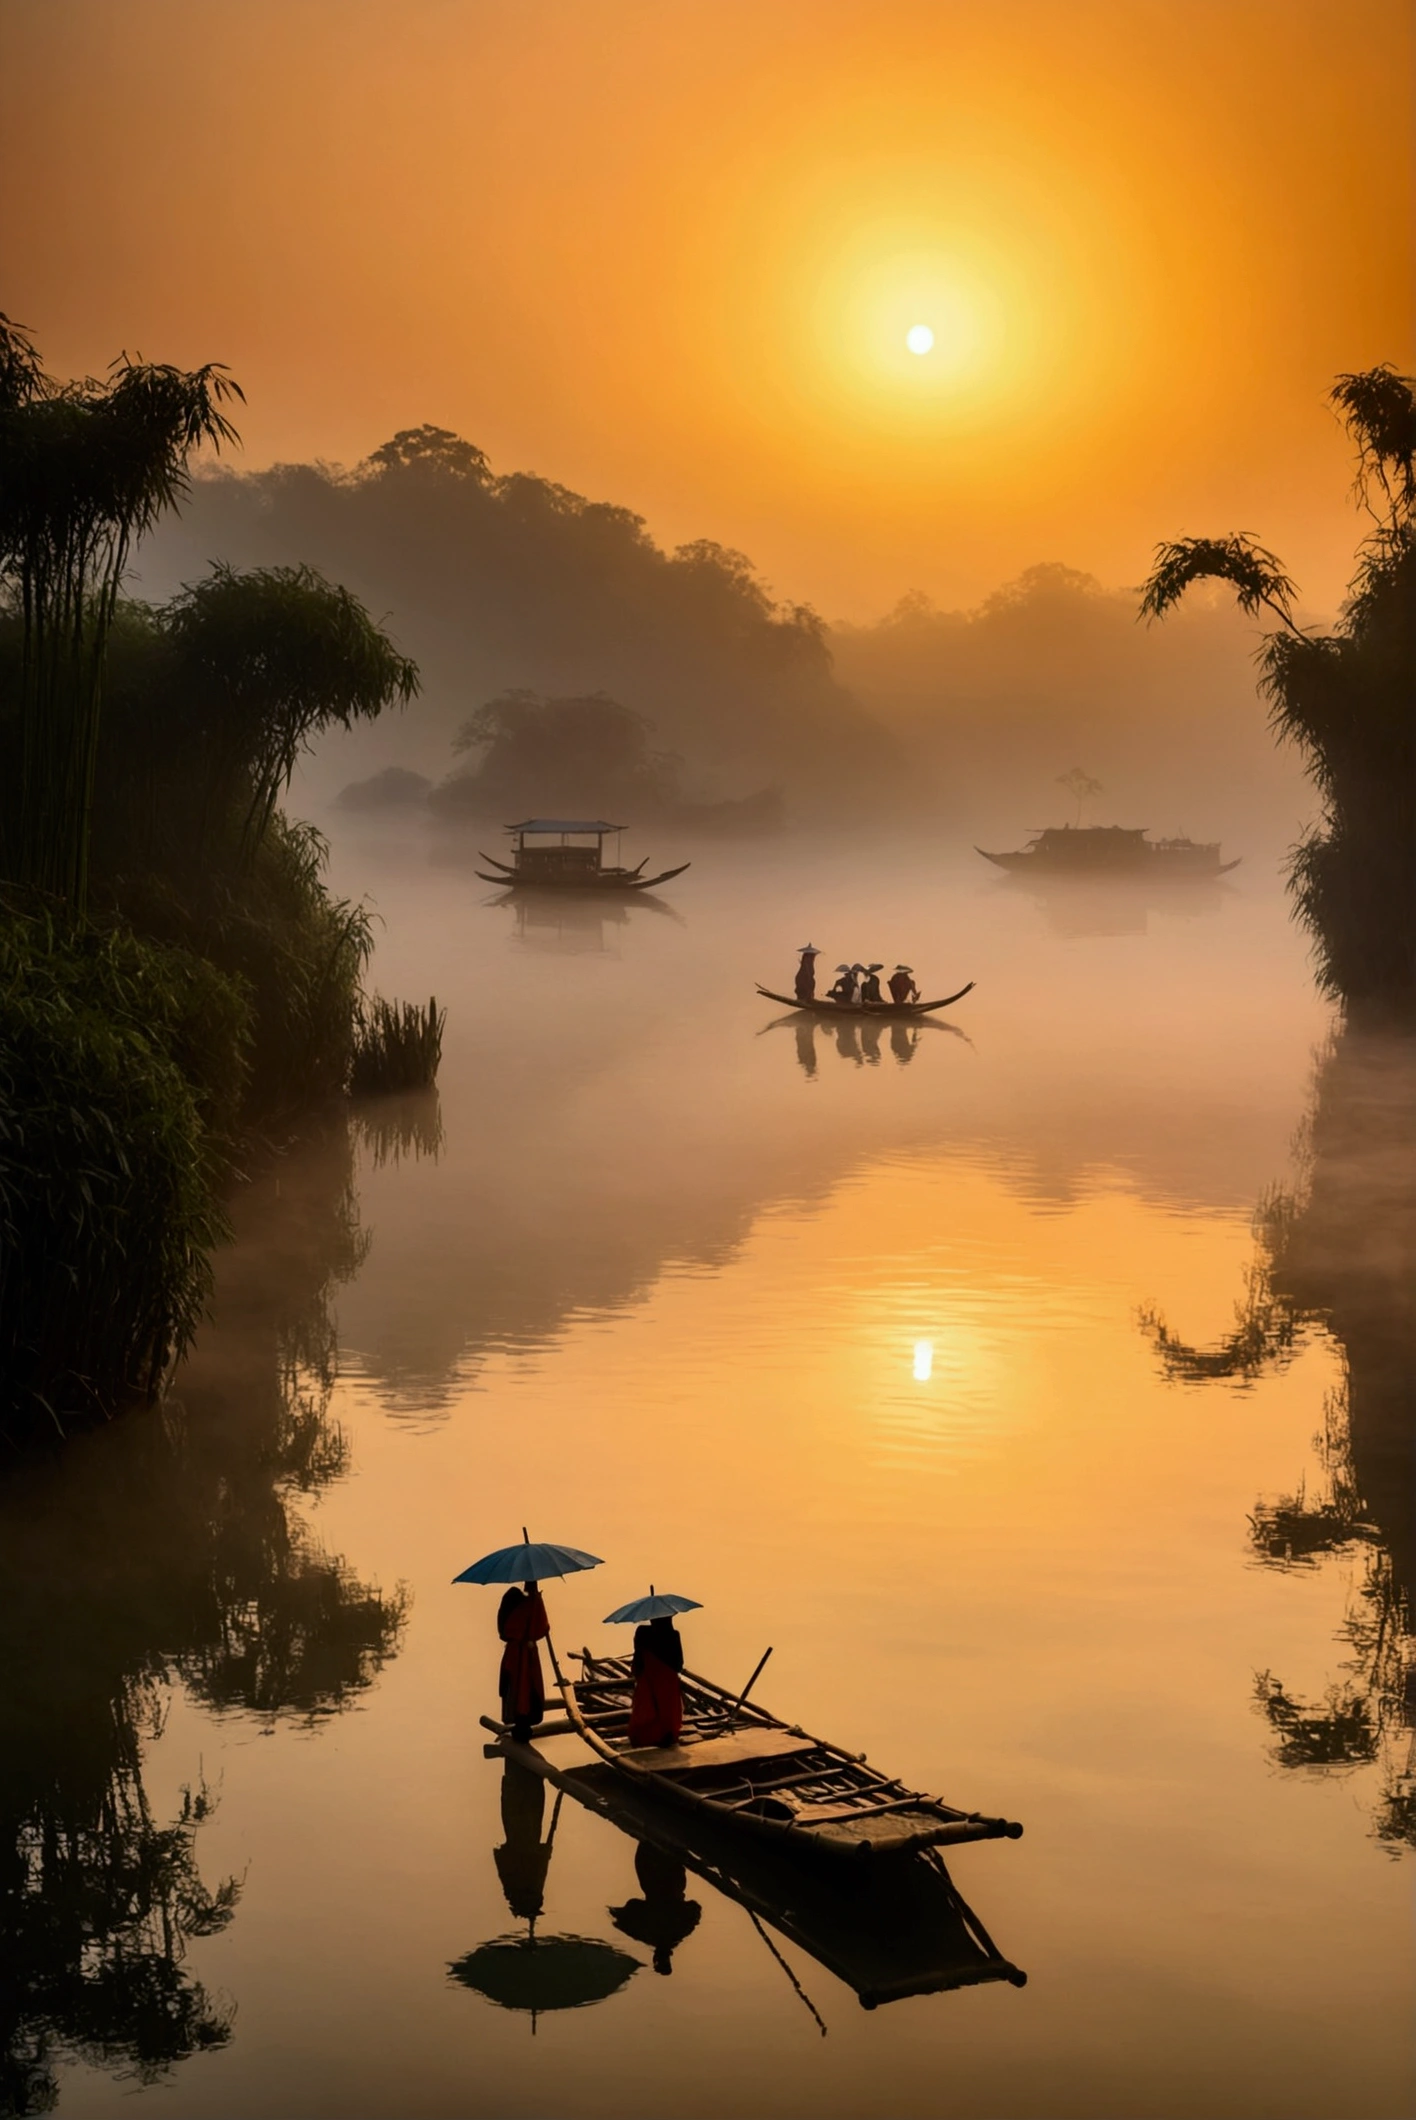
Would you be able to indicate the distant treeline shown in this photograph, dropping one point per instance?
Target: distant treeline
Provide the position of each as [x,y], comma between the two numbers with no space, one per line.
[512,588]
[512,584]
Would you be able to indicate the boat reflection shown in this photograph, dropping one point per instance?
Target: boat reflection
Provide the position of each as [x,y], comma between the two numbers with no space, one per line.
[857,1038]
[1337,1253]
[887,1929]
[1074,907]
[576,923]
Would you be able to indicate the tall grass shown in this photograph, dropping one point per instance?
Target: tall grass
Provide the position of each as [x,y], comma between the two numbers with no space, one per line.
[397,1047]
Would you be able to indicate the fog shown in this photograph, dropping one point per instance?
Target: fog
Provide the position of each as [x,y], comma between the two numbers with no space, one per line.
[502,583]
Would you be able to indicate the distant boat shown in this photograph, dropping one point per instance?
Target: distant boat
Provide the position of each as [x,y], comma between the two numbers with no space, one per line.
[560,856]
[855,1009]
[1110,850]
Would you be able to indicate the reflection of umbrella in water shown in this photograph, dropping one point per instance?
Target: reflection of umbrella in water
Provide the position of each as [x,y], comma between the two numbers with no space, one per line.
[538,1973]
[534,1972]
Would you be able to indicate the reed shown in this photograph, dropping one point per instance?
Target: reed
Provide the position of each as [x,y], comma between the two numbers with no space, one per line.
[397,1047]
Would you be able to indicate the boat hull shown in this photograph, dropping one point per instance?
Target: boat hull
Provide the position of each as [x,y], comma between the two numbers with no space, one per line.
[853,1010]
[510,881]
[767,1779]
[1150,863]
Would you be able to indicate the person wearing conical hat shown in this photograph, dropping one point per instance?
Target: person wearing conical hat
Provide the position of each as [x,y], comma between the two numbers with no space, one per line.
[870,984]
[806,973]
[843,993]
[902,986]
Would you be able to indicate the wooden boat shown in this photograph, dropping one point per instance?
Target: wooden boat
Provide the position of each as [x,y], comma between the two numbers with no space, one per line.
[745,1768]
[1110,850]
[865,1008]
[561,858]
[887,1930]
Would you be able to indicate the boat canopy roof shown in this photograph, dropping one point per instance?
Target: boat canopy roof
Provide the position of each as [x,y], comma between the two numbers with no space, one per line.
[565,824]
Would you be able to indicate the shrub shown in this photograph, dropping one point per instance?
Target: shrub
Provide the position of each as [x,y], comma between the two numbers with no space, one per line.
[121,1071]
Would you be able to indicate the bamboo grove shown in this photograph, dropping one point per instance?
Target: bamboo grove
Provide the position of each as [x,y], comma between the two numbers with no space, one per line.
[173,971]
[1347,699]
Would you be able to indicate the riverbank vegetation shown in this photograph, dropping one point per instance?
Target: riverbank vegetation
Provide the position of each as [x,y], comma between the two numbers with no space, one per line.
[1344,699]
[174,975]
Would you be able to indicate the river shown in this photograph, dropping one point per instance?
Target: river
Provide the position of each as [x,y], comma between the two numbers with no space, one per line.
[861,1344]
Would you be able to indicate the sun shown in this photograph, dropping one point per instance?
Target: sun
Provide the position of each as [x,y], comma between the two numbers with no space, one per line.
[919,338]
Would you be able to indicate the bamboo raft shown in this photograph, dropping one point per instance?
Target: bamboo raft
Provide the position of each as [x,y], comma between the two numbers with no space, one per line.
[865,1008]
[745,1767]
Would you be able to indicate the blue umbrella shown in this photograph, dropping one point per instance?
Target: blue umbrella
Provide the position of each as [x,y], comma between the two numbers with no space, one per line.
[659,1604]
[527,1563]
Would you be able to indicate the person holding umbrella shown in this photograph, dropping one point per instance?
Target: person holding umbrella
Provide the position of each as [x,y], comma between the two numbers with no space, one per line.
[656,1709]
[522,1622]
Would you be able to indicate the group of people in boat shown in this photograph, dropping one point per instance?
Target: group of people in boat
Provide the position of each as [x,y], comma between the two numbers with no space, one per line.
[856,984]
[656,1710]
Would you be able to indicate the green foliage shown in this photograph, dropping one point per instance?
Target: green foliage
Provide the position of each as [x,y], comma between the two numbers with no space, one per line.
[1345,700]
[121,1069]
[263,662]
[397,1047]
[296,952]
[1254,574]
[86,468]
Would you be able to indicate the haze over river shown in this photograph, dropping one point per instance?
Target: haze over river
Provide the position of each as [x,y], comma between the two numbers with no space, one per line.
[846,1340]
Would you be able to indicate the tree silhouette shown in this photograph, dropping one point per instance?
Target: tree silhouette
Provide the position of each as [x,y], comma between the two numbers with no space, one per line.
[1344,699]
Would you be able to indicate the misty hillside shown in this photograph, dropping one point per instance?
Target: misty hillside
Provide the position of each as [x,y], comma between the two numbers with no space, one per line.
[502,584]
[497,584]
[1053,672]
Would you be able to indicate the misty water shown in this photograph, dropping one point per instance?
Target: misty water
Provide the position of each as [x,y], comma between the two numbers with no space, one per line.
[846,1337]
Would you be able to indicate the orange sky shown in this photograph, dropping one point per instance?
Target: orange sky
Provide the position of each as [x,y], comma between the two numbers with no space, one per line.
[666,251]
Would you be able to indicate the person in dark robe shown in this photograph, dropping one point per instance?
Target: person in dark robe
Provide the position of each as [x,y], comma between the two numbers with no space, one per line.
[656,1711]
[665,1915]
[870,984]
[844,990]
[521,1623]
[902,986]
[523,1858]
[806,974]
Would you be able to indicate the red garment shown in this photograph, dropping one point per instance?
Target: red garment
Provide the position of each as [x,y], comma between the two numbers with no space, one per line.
[656,1711]
[521,1623]
[903,988]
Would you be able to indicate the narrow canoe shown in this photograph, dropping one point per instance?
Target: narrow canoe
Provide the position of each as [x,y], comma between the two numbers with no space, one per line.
[865,1008]
[750,1770]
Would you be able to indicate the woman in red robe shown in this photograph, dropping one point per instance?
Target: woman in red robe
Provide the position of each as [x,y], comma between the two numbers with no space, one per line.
[521,1623]
[656,1711]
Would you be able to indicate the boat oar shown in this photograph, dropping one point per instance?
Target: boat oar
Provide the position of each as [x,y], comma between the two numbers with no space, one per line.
[737,1704]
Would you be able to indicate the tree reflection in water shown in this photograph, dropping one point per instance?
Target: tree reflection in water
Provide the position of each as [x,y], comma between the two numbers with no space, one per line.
[168,1548]
[1338,1254]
